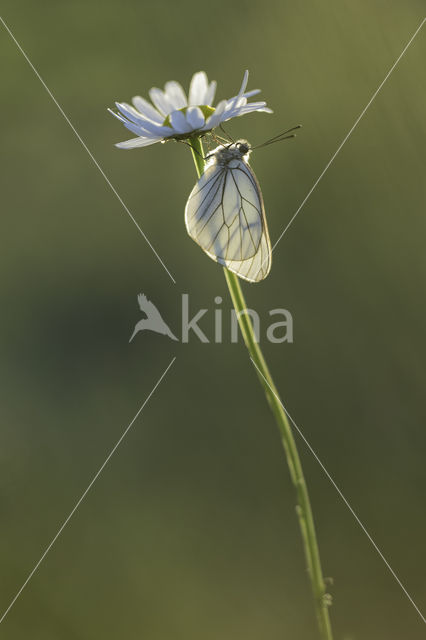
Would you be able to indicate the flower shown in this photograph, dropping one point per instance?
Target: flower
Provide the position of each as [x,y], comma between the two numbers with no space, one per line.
[174,116]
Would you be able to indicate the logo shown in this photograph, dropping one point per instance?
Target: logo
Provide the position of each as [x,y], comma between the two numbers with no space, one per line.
[153,320]
[277,331]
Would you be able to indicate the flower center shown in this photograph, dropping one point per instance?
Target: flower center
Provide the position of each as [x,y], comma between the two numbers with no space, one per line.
[206,110]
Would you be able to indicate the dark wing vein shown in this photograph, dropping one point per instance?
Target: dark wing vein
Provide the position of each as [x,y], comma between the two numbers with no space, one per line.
[228,235]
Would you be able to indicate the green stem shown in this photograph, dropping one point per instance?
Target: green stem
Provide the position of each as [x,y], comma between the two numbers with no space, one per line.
[303,509]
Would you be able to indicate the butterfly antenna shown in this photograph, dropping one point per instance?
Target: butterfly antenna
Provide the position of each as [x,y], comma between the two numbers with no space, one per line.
[281,136]
[265,144]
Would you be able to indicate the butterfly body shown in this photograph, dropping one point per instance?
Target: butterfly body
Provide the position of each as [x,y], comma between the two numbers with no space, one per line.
[240,150]
[225,213]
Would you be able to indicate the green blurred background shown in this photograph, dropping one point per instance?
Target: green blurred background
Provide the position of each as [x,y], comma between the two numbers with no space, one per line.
[190,532]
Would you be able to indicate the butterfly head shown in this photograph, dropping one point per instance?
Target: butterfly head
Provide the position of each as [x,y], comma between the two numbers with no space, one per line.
[242,146]
[238,150]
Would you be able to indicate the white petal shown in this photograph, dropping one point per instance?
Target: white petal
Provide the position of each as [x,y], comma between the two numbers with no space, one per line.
[117,115]
[198,88]
[139,128]
[136,129]
[148,128]
[216,117]
[210,93]
[161,101]
[249,94]
[254,106]
[130,112]
[244,83]
[175,95]
[195,118]
[147,109]
[145,127]
[241,108]
[139,131]
[248,109]
[229,111]
[137,142]
[179,123]
[241,102]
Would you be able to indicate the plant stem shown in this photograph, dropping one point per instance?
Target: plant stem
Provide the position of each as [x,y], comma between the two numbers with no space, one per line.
[303,508]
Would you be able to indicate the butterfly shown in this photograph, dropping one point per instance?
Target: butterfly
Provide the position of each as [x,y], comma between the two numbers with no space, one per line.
[225,213]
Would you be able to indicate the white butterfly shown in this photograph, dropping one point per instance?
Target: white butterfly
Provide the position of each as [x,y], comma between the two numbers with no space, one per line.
[225,213]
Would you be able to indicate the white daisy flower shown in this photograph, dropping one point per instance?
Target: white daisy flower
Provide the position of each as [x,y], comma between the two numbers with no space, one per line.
[177,117]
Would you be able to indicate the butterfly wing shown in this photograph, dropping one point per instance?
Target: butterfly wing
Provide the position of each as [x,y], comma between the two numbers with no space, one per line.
[256,268]
[225,215]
